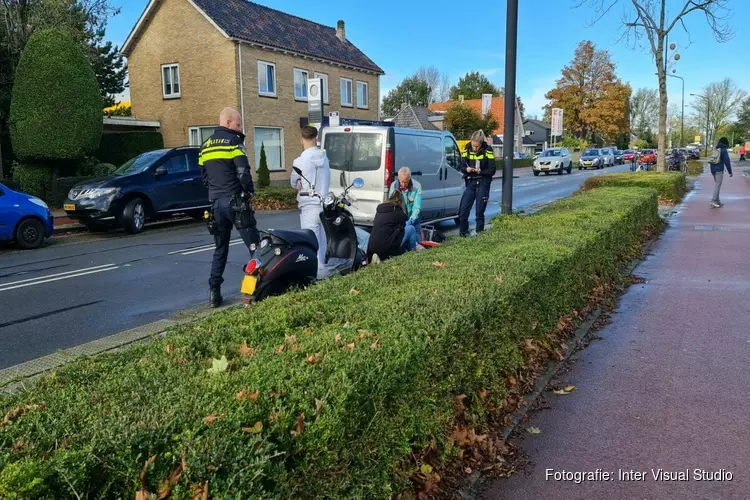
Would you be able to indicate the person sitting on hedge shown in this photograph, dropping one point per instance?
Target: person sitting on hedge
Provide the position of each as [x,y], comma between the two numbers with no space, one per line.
[478,167]
[391,235]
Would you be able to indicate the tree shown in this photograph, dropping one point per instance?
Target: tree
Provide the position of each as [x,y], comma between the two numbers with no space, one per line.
[264,175]
[463,120]
[743,116]
[648,20]
[717,107]
[56,109]
[438,83]
[594,100]
[411,90]
[473,85]
[644,110]
[109,67]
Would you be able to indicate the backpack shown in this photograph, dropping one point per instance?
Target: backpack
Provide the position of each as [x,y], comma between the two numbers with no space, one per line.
[715,156]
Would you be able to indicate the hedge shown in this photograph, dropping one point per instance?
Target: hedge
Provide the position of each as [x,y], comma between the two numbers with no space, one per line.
[275,198]
[517,163]
[695,168]
[42,183]
[670,185]
[326,392]
[121,147]
[56,108]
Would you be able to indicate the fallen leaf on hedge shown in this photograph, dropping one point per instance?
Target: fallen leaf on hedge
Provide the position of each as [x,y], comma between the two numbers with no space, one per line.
[169,348]
[468,470]
[313,359]
[294,348]
[143,493]
[533,430]
[460,436]
[166,486]
[211,419]
[200,492]
[350,347]
[247,351]
[499,279]
[375,344]
[179,361]
[363,334]
[243,394]
[254,429]
[280,349]
[483,394]
[299,427]
[512,380]
[291,339]
[570,388]
[353,292]
[337,338]
[438,265]
[20,445]
[219,365]
[534,325]
[319,406]
[426,469]
[308,331]
[19,411]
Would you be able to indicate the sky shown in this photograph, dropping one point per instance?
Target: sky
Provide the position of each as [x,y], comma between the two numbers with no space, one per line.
[402,35]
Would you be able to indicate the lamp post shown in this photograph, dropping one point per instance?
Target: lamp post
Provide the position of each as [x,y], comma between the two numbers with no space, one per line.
[682,118]
[708,116]
[511,43]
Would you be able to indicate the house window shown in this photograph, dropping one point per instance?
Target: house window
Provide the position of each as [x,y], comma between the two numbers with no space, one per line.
[267,79]
[346,92]
[362,97]
[324,77]
[199,135]
[300,84]
[170,80]
[272,140]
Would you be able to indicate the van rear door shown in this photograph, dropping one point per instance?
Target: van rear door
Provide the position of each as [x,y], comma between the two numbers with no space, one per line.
[358,152]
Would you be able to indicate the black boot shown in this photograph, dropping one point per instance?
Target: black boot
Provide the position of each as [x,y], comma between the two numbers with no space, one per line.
[215,299]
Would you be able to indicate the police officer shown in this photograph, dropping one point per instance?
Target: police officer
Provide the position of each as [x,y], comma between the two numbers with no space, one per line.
[226,173]
[478,167]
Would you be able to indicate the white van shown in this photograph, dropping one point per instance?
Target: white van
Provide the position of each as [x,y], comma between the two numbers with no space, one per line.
[376,153]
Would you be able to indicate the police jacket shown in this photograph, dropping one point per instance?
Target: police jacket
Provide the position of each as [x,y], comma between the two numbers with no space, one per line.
[224,167]
[486,159]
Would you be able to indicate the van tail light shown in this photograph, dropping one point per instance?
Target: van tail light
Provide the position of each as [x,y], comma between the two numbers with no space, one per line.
[388,166]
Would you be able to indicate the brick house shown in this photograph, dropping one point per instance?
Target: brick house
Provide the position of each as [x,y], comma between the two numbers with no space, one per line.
[188,59]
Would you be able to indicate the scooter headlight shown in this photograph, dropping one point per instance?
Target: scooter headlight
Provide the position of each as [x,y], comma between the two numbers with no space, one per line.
[329,200]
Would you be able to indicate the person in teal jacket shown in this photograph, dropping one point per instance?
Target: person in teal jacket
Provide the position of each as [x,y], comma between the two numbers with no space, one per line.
[411,190]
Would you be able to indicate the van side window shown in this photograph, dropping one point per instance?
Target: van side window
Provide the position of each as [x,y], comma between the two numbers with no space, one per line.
[452,154]
[407,151]
[430,156]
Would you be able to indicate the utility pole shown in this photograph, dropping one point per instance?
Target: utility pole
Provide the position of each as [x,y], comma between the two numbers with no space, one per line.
[511,42]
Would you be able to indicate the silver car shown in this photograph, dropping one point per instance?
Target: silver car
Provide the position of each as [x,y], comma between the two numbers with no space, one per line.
[553,160]
[609,157]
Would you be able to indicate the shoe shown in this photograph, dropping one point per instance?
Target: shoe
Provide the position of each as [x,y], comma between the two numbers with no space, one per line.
[419,247]
[715,205]
[214,298]
[376,259]
[464,235]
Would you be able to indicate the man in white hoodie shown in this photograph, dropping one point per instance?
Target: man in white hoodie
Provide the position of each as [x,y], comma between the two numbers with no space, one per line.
[313,163]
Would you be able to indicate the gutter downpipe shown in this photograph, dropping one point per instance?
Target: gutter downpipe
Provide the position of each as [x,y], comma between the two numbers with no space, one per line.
[242,87]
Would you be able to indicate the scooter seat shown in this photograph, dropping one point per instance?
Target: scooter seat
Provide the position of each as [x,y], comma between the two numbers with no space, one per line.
[301,237]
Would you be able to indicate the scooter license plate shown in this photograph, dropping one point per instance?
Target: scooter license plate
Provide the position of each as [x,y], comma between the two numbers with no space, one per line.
[248,285]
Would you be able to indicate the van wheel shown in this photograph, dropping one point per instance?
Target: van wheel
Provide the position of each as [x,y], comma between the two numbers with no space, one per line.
[134,216]
[30,234]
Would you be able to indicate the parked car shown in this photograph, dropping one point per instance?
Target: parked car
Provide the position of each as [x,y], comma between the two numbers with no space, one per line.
[619,157]
[591,158]
[629,155]
[153,185]
[376,153]
[609,157]
[537,154]
[553,160]
[646,159]
[24,219]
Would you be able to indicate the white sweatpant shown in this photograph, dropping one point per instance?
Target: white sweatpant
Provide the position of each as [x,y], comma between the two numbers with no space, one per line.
[309,218]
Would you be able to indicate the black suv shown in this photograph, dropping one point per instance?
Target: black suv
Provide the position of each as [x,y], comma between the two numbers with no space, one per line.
[153,185]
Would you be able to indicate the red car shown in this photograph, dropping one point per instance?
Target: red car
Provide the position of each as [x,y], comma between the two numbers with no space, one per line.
[647,156]
[629,155]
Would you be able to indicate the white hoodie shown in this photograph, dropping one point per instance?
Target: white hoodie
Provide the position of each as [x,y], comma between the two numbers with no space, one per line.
[314,165]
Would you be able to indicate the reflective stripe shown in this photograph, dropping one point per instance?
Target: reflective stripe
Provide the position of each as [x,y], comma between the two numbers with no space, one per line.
[220,155]
[490,156]
[464,154]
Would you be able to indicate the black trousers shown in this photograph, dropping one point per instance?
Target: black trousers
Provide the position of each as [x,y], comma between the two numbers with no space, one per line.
[224,217]
[477,191]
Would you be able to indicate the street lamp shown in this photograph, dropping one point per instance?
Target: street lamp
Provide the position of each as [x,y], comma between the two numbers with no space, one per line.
[708,115]
[511,44]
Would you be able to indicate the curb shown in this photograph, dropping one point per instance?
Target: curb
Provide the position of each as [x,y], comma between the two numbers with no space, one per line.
[20,376]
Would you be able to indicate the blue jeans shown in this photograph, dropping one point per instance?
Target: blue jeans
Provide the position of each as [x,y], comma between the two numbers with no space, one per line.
[410,240]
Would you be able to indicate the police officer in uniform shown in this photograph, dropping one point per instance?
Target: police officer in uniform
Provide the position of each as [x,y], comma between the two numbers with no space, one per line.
[226,173]
[478,167]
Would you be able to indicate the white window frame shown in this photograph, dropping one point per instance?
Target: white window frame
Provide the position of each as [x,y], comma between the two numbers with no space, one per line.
[198,131]
[300,71]
[171,95]
[263,65]
[282,168]
[366,87]
[324,76]
[349,104]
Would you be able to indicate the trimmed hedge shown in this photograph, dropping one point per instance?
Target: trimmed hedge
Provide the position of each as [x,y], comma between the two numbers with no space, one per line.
[517,163]
[34,180]
[695,168]
[336,385]
[670,185]
[56,108]
[121,147]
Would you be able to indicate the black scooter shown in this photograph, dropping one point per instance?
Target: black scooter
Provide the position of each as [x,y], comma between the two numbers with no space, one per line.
[284,259]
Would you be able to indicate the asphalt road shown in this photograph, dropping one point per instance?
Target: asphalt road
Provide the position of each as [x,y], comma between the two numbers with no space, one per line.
[83,287]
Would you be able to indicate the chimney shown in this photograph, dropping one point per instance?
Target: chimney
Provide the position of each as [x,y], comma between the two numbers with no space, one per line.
[341,31]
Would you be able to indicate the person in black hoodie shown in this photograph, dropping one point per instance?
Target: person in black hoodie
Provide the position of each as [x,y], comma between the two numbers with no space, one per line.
[478,167]
[390,236]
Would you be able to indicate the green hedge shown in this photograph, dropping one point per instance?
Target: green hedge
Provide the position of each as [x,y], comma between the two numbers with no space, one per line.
[671,185]
[517,163]
[119,148]
[42,183]
[275,198]
[695,168]
[373,360]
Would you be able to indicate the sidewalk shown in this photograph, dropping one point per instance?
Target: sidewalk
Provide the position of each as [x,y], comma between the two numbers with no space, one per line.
[61,221]
[668,386]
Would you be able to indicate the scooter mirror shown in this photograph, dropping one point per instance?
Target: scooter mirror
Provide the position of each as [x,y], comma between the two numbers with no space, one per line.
[297,170]
[358,183]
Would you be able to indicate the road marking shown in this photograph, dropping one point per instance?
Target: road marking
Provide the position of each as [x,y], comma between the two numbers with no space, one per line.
[54,275]
[63,276]
[191,252]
